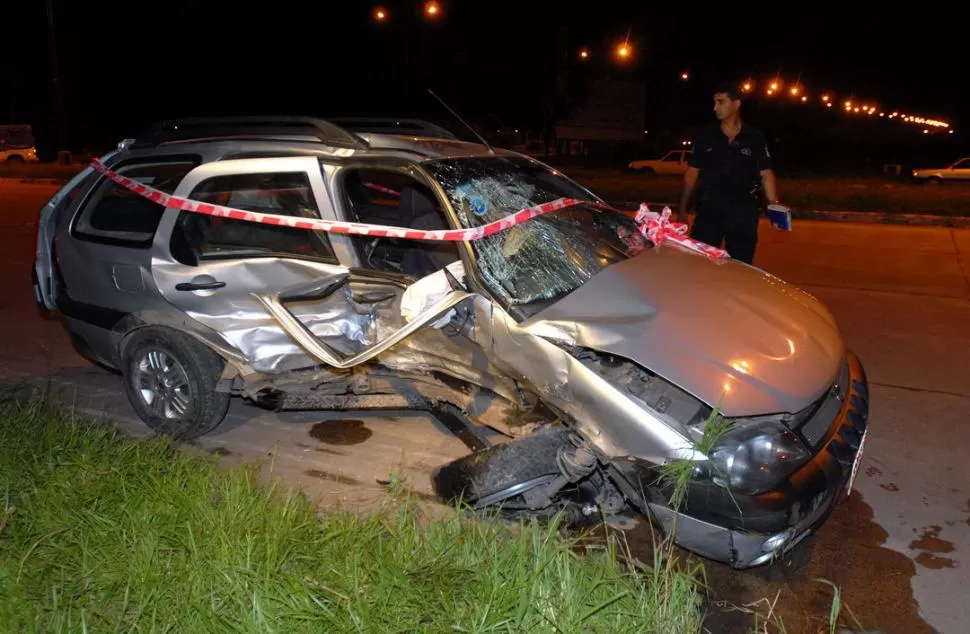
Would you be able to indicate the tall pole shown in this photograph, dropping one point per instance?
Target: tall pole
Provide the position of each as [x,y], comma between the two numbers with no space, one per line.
[56,79]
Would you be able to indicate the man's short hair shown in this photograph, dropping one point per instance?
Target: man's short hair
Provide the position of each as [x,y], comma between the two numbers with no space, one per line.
[729,87]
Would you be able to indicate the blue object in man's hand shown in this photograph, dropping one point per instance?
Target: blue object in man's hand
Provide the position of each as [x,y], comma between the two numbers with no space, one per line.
[780,217]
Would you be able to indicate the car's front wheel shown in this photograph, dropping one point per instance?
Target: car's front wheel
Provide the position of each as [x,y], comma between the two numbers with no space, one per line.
[170,381]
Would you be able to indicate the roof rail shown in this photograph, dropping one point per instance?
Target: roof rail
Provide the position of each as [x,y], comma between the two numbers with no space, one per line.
[415,127]
[170,130]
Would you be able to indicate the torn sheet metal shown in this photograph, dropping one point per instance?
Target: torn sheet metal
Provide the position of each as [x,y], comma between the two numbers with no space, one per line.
[325,354]
[428,290]
[243,321]
[603,415]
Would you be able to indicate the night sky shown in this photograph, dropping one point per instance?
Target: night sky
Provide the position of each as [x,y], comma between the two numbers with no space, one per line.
[123,65]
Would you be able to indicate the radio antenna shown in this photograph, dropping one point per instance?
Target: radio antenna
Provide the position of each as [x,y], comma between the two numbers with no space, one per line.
[464,123]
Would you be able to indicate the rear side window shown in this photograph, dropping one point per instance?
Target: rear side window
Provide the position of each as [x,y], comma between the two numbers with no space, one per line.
[116,215]
[199,236]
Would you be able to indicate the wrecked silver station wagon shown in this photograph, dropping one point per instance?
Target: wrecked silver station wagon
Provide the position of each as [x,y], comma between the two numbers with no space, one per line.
[597,355]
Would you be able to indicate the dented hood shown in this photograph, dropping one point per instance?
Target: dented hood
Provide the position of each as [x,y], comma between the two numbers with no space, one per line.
[727,333]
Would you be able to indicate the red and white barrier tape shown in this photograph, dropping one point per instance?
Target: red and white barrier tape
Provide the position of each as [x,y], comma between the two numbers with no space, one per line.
[335,226]
[658,228]
[655,227]
[382,189]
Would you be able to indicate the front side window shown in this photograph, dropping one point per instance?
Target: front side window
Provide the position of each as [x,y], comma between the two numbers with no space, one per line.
[391,198]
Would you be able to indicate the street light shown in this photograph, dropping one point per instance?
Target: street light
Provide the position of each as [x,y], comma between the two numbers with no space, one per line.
[747,86]
[685,76]
[380,14]
[584,53]
[432,9]
[623,51]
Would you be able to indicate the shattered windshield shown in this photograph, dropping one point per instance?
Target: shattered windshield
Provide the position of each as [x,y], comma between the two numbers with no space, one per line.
[541,259]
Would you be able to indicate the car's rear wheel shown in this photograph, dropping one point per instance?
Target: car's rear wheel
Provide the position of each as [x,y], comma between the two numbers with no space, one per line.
[170,381]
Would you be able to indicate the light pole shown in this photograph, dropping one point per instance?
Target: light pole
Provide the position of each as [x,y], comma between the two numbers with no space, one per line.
[56,79]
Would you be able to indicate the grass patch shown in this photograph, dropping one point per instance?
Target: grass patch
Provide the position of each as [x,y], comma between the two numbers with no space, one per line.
[102,533]
[816,193]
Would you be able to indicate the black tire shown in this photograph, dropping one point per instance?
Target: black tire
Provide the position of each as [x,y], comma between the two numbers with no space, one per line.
[486,474]
[15,158]
[202,407]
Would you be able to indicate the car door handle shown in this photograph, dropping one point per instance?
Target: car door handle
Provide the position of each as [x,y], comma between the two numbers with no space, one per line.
[199,286]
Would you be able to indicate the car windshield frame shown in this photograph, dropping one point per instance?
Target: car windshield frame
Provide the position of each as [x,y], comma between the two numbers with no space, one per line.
[534,264]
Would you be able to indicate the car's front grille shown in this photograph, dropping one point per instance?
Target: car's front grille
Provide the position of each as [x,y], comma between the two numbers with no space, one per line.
[826,409]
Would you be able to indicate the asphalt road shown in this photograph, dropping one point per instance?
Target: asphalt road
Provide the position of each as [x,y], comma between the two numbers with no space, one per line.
[898,547]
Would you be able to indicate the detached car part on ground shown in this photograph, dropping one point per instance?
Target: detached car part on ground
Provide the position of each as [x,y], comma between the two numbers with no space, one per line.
[599,356]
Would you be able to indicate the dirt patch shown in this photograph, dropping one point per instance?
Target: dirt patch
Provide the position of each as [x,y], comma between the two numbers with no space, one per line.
[935,563]
[847,551]
[930,541]
[220,451]
[892,488]
[341,432]
[334,477]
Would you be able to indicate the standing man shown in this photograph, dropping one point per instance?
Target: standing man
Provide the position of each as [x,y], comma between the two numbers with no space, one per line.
[731,159]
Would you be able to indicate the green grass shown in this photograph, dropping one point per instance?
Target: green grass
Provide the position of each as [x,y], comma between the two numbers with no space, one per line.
[102,533]
[676,475]
[865,194]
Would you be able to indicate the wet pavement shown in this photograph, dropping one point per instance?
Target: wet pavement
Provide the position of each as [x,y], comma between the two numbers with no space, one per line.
[897,548]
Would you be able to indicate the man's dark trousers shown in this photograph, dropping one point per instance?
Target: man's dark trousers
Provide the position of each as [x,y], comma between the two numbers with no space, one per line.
[737,228]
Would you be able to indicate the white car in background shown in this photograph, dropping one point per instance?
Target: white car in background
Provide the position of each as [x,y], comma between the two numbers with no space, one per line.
[17,144]
[674,163]
[956,171]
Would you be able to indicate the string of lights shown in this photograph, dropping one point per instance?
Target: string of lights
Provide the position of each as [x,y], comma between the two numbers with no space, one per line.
[775,88]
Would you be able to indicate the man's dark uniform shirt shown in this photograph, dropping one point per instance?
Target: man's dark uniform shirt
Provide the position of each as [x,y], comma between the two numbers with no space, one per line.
[730,179]
[729,190]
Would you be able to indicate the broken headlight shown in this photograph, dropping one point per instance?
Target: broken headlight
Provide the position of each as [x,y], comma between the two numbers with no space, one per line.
[754,456]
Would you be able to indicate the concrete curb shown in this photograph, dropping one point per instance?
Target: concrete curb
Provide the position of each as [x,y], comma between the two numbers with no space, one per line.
[865,217]
[880,217]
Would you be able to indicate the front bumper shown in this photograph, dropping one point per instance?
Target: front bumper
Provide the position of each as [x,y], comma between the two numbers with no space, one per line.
[748,531]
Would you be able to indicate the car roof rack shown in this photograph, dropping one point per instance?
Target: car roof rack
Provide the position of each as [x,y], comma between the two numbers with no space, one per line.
[259,127]
[386,125]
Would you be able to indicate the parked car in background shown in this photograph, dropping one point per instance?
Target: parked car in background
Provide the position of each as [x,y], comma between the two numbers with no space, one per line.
[17,144]
[674,163]
[957,171]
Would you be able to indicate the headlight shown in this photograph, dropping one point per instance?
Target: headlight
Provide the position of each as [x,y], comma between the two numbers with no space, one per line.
[755,456]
